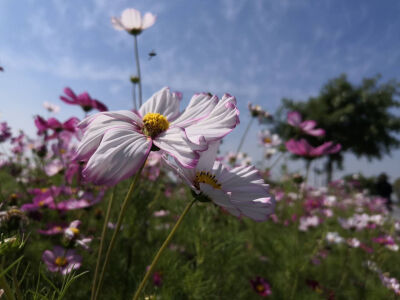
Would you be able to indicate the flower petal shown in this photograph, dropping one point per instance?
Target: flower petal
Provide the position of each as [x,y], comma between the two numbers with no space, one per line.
[163,102]
[219,197]
[175,142]
[148,20]
[221,121]
[116,23]
[199,107]
[121,153]
[131,19]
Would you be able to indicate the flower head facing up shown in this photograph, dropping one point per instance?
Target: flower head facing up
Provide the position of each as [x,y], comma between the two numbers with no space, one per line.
[241,190]
[84,100]
[116,144]
[261,286]
[303,148]
[308,127]
[61,260]
[132,21]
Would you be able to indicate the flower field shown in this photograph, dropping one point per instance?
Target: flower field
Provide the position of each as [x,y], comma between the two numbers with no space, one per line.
[143,204]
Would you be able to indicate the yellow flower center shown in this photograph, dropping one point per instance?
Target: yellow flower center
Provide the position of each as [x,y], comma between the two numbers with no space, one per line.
[41,203]
[61,261]
[205,177]
[74,230]
[267,140]
[58,228]
[43,190]
[260,288]
[154,124]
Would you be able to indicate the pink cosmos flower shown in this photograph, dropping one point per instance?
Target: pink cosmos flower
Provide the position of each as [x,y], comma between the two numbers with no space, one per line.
[83,99]
[116,144]
[132,21]
[261,286]
[303,148]
[241,190]
[61,260]
[5,132]
[53,124]
[308,127]
[85,201]
[53,229]
[53,168]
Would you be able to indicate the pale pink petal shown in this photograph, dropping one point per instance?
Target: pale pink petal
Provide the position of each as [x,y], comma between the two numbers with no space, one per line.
[199,107]
[207,158]
[121,153]
[219,197]
[186,174]
[294,118]
[175,142]
[116,22]
[95,126]
[221,121]
[148,20]
[163,102]
[131,19]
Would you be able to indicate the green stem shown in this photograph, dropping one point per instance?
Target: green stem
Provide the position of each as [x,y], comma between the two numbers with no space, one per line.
[103,234]
[138,70]
[161,250]
[117,228]
[276,161]
[244,135]
[4,285]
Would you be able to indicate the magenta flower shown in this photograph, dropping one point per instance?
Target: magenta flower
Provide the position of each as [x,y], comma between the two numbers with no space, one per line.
[85,201]
[53,229]
[5,132]
[303,148]
[261,286]
[308,126]
[61,260]
[43,125]
[241,190]
[84,100]
[116,144]
[132,21]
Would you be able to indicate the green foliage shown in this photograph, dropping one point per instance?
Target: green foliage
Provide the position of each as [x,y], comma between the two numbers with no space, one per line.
[362,118]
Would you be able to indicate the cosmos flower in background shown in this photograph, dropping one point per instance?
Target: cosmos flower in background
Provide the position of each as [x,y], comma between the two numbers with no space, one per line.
[268,140]
[241,190]
[83,100]
[61,260]
[132,21]
[261,286]
[116,144]
[303,148]
[308,127]
[5,132]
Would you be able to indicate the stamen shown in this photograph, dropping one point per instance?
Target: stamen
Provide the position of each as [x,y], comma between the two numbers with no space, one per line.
[61,261]
[154,124]
[206,177]
[74,230]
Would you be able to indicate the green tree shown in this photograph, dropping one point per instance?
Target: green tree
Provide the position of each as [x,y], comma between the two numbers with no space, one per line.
[363,118]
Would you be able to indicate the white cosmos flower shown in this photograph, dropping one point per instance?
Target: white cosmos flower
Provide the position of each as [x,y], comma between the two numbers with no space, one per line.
[132,21]
[116,144]
[240,190]
[51,107]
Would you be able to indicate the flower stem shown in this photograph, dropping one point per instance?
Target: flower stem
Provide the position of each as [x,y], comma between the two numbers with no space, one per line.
[103,234]
[161,250]
[138,70]
[134,96]
[244,135]
[117,228]
[4,284]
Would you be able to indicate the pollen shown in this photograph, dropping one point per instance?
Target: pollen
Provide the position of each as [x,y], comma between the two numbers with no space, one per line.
[74,230]
[206,177]
[61,261]
[267,140]
[154,124]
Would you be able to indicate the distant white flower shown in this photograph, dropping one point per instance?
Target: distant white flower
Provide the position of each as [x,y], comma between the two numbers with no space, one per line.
[51,107]
[306,222]
[354,243]
[333,238]
[132,21]
[268,139]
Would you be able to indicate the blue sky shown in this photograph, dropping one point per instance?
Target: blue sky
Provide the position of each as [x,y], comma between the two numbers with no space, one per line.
[258,51]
